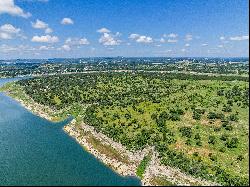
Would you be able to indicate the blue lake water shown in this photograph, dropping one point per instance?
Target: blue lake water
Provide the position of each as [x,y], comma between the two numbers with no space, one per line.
[34,151]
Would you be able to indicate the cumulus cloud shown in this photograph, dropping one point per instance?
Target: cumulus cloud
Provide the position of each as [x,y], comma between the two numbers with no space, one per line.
[189,37]
[103,30]
[204,44]
[5,36]
[141,38]
[172,40]
[46,48]
[42,25]
[134,36]
[66,47]
[171,35]
[39,24]
[48,30]
[109,39]
[8,31]
[67,21]
[144,39]
[183,50]
[9,7]
[19,48]
[239,38]
[162,40]
[187,45]
[76,41]
[222,38]
[83,41]
[45,39]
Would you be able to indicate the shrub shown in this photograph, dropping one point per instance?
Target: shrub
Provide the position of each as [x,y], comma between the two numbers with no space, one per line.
[186,131]
[232,143]
[227,109]
[240,158]
[211,140]
[224,137]
[233,117]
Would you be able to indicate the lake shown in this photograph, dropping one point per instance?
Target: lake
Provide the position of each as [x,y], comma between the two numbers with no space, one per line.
[34,151]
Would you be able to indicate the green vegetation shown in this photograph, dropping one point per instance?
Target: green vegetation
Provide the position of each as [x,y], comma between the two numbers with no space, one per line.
[143,165]
[197,123]
[106,149]
[161,181]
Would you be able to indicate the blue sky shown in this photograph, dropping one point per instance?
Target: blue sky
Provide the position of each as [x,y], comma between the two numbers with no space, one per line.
[87,28]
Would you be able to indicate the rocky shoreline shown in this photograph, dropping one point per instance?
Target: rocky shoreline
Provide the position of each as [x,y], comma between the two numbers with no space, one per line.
[80,133]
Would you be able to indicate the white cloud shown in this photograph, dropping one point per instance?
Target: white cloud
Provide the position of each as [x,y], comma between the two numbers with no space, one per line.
[134,36]
[9,7]
[204,44]
[76,41]
[103,30]
[8,28]
[8,31]
[6,48]
[188,37]
[187,45]
[5,36]
[144,39]
[48,30]
[140,38]
[45,39]
[20,48]
[220,46]
[162,40]
[67,21]
[39,24]
[42,25]
[222,38]
[46,48]
[66,47]
[183,50]
[171,35]
[109,39]
[83,41]
[172,41]
[239,38]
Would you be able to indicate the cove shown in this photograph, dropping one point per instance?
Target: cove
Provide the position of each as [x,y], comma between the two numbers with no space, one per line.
[34,151]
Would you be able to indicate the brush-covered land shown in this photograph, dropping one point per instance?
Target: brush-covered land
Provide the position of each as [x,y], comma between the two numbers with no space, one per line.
[196,123]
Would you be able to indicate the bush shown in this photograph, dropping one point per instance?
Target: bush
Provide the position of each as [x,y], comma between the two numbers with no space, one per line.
[188,142]
[212,157]
[211,140]
[232,143]
[197,136]
[227,109]
[240,158]
[199,143]
[186,131]
[196,115]
[233,117]
[222,149]
[224,137]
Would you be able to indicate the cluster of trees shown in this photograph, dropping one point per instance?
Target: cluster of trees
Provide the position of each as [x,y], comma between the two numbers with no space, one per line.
[196,167]
[218,66]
